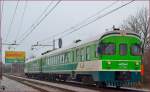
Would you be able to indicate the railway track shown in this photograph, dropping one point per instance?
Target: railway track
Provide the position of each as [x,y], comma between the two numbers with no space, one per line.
[36,85]
[69,86]
[47,86]
[105,89]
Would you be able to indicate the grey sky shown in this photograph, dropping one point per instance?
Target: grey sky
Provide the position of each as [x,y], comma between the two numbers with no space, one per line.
[65,15]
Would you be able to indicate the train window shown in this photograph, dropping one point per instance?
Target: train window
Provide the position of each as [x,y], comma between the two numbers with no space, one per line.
[69,57]
[52,60]
[123,49]
[46,60]
[57,59]
[49,60]
[107,49]
[72,56]
[88,53]
[78,55]
[62,58]
[66,57]
[95,52]
[82,54]
[136,50]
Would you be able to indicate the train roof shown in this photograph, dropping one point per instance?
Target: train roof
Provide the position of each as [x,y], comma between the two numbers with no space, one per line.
[73,45]
[89,40]
[120,32]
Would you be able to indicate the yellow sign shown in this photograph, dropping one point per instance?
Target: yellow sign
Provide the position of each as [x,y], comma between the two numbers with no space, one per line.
[14,56]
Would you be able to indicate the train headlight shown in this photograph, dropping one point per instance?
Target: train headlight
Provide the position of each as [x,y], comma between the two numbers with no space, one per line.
[137,63]
[109,62]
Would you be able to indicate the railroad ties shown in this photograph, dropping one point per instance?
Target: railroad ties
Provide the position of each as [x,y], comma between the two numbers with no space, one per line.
[45,86]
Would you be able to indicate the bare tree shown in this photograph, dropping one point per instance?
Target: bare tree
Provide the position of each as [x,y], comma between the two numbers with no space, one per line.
[139,23]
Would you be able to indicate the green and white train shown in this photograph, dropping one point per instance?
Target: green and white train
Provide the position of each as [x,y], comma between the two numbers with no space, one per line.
[111,59]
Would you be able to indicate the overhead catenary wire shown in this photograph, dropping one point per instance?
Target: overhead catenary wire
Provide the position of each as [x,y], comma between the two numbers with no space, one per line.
[39,17]
[2,8]
[1,14]
[85,20]
[12,21]
[21,21]
[73,27]
[94,20]
[40,21]
[98,18]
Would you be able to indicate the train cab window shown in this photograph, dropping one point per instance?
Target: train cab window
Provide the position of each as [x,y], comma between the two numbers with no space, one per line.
[123,49]
[106,49]
[136,50]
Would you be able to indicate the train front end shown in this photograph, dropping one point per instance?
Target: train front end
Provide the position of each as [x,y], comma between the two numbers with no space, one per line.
[120,54]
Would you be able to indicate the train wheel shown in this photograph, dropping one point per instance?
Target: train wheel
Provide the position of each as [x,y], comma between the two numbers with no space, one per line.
[104,84]
[84,79]
[101,84]
[118,87]
[98,84]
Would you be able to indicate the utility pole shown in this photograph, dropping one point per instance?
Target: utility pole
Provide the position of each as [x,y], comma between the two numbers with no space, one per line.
[44,45]
[0,44]
[54,44]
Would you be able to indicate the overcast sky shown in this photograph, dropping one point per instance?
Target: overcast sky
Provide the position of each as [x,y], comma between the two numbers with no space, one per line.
[64,16]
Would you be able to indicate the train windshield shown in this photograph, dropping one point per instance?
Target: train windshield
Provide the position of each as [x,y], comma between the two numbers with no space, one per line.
[123,49]
[106,49]
[136,50]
